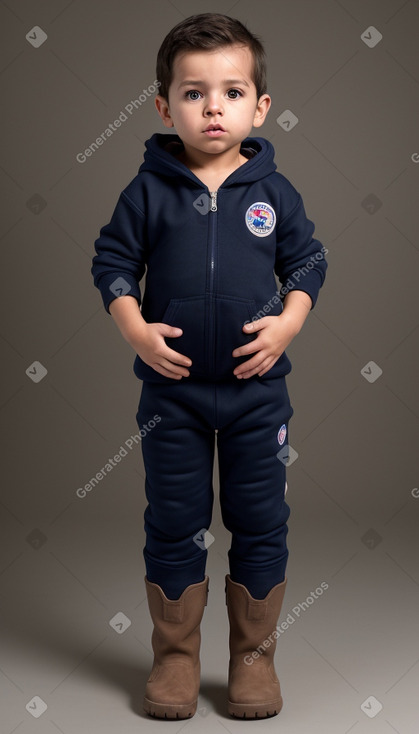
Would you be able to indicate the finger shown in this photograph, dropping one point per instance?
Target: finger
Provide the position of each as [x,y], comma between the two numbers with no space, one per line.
[267,365]
[167,330]
[257,370]
[249,348]
[176,357]
[255,325]
[249,365]
[246,375]
[174,368]
[168,373]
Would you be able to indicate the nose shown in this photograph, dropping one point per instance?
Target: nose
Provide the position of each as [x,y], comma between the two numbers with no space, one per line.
[213,106]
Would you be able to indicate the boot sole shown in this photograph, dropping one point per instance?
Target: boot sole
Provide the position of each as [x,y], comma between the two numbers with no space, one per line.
[169,711]
[254,711]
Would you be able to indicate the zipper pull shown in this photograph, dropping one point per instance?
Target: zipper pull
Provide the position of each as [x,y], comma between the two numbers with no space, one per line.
[213,201]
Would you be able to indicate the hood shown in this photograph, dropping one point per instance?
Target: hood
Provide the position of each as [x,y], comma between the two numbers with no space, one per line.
[159,159]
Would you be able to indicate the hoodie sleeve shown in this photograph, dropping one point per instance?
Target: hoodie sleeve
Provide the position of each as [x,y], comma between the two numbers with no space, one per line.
[300,262]
[120,261]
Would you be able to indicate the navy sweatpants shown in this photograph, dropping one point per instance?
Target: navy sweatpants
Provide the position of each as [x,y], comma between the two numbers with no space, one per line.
[249,420]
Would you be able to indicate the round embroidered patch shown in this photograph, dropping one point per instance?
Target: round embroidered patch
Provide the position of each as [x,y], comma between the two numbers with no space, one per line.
[260,219]
[282,433]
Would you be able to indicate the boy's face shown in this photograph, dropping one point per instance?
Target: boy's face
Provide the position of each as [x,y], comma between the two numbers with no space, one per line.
[213,88]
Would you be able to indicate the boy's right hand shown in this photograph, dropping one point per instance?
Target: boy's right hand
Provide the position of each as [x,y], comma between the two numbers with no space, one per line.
[150,345]
[148,339]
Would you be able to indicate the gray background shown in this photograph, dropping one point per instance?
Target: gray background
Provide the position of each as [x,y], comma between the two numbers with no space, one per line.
[69,565]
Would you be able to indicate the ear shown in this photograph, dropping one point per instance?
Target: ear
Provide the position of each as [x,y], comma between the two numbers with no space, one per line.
[163,109]
[262,109]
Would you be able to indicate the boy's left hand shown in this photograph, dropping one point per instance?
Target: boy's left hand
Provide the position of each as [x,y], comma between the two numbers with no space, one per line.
[274,335]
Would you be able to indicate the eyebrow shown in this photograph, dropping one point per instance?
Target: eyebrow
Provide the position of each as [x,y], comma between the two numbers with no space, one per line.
[196,82]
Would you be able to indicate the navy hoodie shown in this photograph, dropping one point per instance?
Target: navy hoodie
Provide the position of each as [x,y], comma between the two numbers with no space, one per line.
[209,257]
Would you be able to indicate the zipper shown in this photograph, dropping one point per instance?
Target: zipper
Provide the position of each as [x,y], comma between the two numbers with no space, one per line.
[212,234]
[213,195]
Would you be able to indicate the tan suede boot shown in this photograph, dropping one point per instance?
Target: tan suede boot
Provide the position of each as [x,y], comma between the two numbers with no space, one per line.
[173,686]
[253,687]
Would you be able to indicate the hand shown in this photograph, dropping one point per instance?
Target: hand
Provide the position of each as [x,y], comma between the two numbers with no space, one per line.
[150,345]
[274,335]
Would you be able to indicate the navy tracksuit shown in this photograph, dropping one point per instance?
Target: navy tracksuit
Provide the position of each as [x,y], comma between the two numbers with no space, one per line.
[210,260]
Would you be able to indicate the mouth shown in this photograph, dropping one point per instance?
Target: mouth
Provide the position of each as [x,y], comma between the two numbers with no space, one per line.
[214,131]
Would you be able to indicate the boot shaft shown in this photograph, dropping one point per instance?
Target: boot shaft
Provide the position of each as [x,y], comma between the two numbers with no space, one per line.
[177,621]
[253,621]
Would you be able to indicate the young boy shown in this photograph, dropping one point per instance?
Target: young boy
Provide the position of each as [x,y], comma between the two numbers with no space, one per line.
[212,221]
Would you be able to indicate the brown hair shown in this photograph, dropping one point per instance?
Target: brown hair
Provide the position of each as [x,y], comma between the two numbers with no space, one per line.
[208,31]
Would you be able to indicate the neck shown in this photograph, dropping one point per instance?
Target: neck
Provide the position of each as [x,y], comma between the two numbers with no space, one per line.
[196,160]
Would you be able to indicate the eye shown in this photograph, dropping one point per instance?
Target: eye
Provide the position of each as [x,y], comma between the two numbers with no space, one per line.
[235,92]
[193,92]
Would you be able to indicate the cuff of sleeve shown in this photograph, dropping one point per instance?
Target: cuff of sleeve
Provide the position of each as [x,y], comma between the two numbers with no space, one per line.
[115,285]
[310,284]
